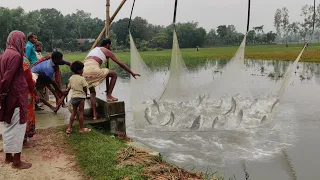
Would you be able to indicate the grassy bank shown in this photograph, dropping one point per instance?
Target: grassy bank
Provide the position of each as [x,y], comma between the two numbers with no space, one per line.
[103,156]
[191,56]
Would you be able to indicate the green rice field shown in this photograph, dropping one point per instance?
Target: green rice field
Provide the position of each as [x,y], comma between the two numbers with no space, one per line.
[193,57]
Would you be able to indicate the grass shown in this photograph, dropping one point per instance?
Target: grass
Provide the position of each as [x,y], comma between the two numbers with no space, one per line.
[101,156]
[192,57]
[96,154]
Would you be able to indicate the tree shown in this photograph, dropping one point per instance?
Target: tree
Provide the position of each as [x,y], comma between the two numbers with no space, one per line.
[278,21]
[285,24]
[306,27]
[211,38]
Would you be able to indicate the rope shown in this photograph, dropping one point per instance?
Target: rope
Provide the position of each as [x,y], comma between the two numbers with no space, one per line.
[131,14]
[175,12]
[248,21]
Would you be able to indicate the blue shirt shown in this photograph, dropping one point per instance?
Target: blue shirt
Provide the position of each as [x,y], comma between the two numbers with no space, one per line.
[31,53]
[47,67]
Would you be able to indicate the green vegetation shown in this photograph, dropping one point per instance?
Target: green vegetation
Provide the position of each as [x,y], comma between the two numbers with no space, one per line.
[96,154]
[102,156]
[193,58]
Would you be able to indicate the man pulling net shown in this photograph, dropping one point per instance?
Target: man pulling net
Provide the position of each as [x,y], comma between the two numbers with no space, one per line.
[95,75]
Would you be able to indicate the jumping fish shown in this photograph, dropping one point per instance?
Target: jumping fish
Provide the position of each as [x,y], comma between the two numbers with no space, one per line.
[201,99]
[215,122]
[147,115]
[233,106]
[274,104]
[263,119]
[219,104]
[157,105]
[239,117]
[254,102]
[196,123]
[170,122]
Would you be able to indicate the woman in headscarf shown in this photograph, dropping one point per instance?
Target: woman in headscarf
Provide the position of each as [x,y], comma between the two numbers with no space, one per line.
[31,118]
[13,99]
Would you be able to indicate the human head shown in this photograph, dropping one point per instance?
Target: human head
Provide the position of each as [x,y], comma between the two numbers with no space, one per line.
[17,41]
[38,46]
[32,37]
[77,67]
[106,43]
[57,58]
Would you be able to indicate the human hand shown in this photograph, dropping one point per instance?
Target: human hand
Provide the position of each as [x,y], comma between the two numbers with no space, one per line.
[134,75]
[37,98]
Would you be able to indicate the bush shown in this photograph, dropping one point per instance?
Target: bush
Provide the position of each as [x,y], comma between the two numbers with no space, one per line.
[159,49]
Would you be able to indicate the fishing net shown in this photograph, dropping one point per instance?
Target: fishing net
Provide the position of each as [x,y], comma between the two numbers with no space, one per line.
[179,85]
[233,78]
[143,89]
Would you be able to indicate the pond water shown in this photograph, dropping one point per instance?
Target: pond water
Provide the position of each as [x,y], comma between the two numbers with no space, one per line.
[284,146]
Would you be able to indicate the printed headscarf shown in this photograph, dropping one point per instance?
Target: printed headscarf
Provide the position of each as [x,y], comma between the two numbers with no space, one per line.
[17,41]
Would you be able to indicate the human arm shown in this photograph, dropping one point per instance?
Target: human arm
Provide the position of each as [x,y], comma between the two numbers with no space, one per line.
[67,62]
[28,75]
[121,64]
[13,66]
[85,86]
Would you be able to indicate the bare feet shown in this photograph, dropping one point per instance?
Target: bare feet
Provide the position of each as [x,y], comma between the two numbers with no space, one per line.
[9,159]
[84,130]
[22,165]
[69,131]
[111,98]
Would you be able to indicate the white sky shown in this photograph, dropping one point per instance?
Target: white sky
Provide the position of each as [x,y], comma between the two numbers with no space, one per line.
[209,13]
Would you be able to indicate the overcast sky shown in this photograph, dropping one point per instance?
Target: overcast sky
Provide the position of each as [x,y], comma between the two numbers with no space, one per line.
[209,13]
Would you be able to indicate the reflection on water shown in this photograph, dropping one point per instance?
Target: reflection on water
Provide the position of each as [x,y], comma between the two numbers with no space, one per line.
[286,147]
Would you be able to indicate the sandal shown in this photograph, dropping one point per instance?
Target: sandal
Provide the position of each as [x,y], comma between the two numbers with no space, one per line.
[85,130]
[69,131]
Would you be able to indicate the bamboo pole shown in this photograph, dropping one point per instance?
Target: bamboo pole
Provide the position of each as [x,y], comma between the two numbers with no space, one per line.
[111,19]
[108,19]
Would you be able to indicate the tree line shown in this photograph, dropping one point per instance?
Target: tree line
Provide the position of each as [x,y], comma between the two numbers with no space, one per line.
[56,30]
[298,31]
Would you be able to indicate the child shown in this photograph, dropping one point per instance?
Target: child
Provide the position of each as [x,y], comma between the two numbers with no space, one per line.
[78,85]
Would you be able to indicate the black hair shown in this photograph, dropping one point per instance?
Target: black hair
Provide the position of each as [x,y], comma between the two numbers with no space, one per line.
[56,55]
[105,42]
[30,35]
[76,67]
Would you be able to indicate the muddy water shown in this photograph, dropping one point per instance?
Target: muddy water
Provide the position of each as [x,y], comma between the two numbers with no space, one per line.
[286,148]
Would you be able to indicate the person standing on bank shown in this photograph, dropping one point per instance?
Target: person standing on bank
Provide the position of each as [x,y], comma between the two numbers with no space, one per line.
[13,99]
[30,48]
[95,75]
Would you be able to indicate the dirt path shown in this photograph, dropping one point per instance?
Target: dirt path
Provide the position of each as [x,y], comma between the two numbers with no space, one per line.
[49,159]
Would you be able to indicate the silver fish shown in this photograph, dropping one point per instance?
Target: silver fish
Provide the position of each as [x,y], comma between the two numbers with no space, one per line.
[196,123]
[157,105]
[239,117]
[171,121]
[254,102]
[221,100]
[274,104]
[201,99]
[263,119]
[147,115]
[233,106]
[215,122]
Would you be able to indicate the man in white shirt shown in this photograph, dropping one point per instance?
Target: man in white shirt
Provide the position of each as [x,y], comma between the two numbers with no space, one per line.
[38,47]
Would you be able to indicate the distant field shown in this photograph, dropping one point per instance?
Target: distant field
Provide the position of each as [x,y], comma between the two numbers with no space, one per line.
[191,56]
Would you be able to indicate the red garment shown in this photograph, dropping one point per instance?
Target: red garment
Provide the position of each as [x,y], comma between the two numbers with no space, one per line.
[13,82]
[57,73]
[31,118]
